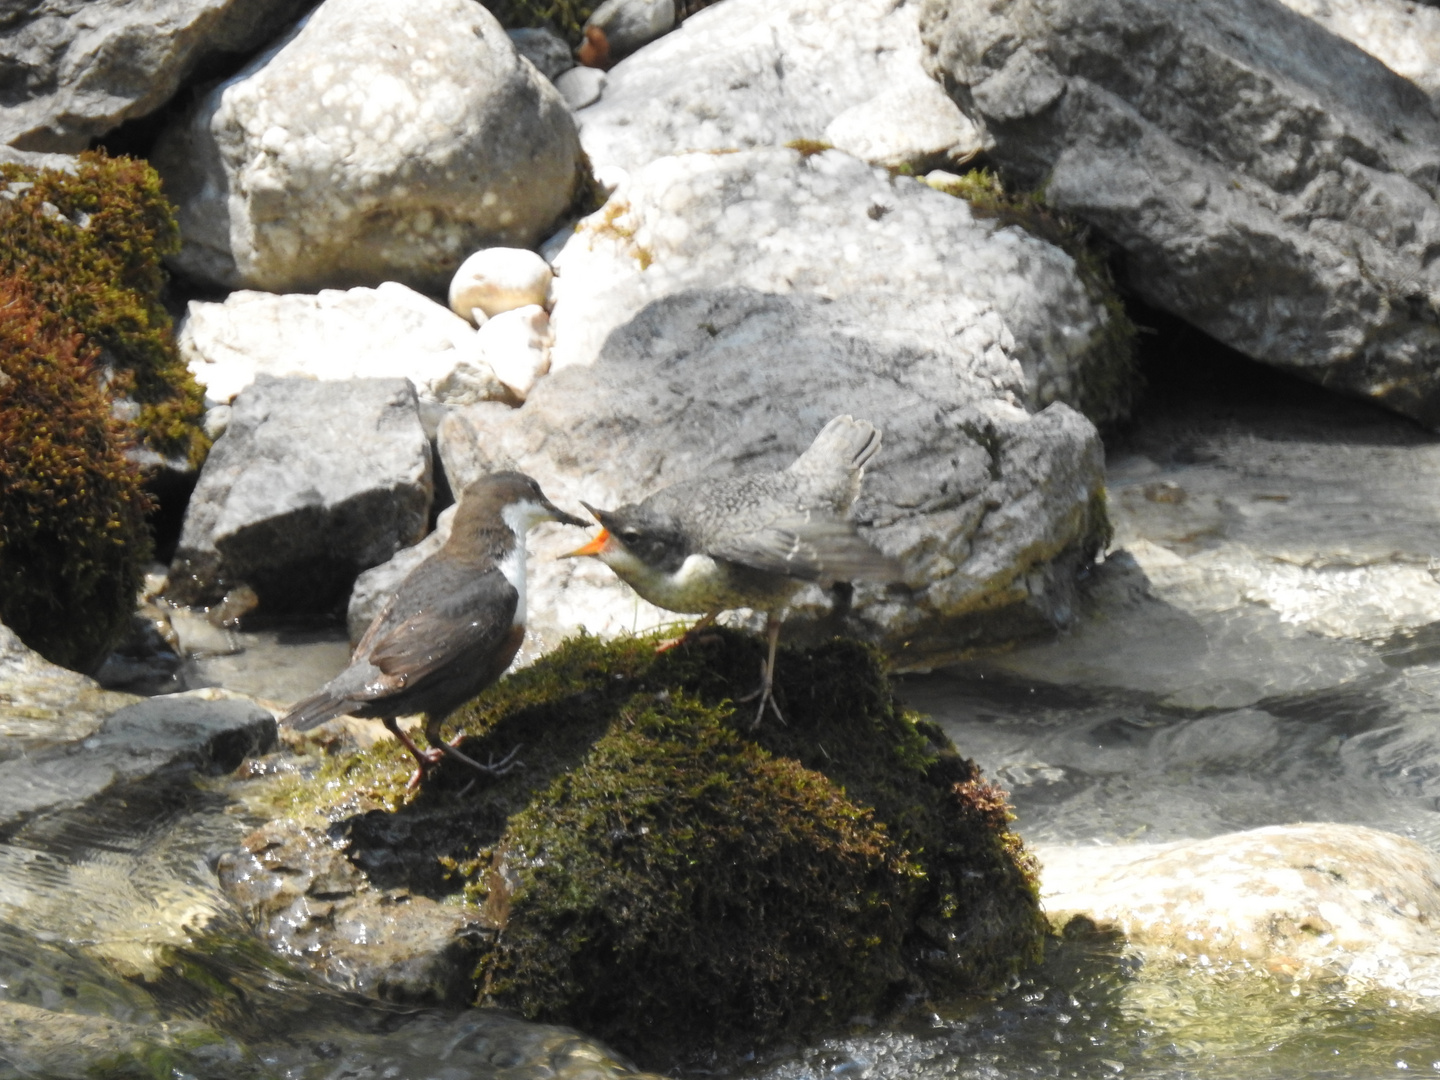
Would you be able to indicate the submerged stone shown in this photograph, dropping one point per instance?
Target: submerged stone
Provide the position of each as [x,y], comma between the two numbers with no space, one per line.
[660,874]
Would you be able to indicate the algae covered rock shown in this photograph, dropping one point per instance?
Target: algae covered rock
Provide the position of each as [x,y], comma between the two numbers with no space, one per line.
[664,877]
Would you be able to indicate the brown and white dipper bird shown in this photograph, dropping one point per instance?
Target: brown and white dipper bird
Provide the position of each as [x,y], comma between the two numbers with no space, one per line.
[706,546]
[450,629]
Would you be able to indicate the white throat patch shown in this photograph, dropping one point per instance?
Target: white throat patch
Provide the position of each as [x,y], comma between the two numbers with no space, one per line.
[521,517]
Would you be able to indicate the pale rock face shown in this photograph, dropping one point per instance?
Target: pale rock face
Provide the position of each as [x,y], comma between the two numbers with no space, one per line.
[581,86]
[1313,901]
[1268,182]
[376,142]
[750,73]
[721,308]
[87,68]
[499,279]
[387,332]
[911,124]
[516,347]
[1403,35]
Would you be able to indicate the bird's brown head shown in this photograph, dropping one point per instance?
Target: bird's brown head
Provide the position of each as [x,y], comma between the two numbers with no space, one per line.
[511,497]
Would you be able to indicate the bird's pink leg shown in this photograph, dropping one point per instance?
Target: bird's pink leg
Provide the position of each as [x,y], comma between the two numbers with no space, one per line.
[684,639]
[767,673]
[425,760]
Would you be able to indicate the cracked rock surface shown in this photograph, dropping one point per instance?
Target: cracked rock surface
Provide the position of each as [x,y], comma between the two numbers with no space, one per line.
[1267,181]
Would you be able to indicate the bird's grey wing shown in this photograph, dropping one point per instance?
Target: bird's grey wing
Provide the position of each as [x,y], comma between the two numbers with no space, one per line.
[811,546]
[452,612]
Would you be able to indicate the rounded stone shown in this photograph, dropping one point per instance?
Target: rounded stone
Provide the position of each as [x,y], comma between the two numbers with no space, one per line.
[499,279]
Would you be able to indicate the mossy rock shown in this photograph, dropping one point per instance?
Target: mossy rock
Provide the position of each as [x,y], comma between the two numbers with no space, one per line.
[667,878]
[1108,380]
[90,245]
[73,536]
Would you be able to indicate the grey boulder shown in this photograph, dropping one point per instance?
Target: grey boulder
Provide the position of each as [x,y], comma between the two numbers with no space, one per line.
[1266,180]
[70,72]
[722,308]
[311,483]
[376,142]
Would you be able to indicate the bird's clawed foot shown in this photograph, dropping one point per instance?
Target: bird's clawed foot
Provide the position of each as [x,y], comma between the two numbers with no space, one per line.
[503,767]
[766,693]
[688,636]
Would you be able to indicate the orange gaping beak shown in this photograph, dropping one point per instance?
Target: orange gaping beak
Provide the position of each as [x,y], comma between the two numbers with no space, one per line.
[594,547]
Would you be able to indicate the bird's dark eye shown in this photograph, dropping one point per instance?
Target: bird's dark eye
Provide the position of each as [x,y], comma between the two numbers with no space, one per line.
[629,535]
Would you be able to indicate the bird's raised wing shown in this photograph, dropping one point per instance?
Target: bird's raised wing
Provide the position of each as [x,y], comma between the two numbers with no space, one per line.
[811,546]
[451,611]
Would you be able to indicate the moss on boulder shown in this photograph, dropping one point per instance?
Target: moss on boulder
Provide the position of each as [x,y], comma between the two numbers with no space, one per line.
[666,878]
[73,537]
[90,245]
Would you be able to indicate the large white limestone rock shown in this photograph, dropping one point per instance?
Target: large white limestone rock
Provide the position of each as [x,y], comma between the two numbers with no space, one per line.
[386,332]
[376,142]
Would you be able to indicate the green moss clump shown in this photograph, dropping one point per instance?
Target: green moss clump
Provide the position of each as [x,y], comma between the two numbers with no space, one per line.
[73,538]
[97,264]
[1108,380]
[668,879]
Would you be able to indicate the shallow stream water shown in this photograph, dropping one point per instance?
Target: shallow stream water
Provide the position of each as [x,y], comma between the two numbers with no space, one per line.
[1262,647]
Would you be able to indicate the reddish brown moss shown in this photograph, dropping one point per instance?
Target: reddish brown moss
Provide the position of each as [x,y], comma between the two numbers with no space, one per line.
[73,538]
[98,265]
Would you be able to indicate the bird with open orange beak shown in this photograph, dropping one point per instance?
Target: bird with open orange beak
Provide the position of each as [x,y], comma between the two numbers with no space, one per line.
[752,541]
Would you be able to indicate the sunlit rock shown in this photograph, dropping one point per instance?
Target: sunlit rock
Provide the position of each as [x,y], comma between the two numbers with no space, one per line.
[751,73]
[386,332]
[1315,901]
[498,279]
[376,142]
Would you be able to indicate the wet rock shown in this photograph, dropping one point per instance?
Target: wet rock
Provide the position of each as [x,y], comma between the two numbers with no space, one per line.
[42,704]
[159,739]
[1402,34]
[1315,901]
[749,73]
[306,898]
[374,143]
[387,332]
[74,73]
[49,1042]
[1267,181]
[871,296]
[545,49]
[312,483]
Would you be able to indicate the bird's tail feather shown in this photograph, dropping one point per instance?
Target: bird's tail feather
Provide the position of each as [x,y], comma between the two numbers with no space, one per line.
[843,447]
[315,710]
